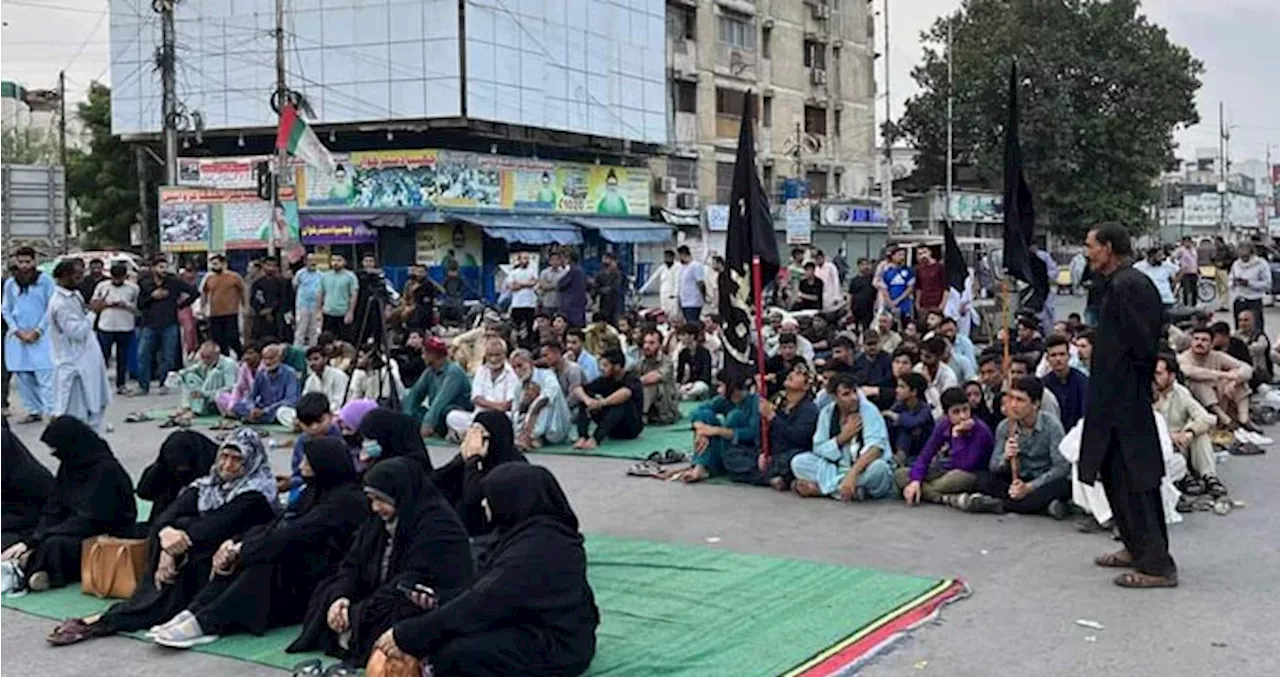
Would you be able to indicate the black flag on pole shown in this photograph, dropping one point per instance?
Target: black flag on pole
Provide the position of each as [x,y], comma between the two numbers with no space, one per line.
[1019,213]
[750,235]
[953,260]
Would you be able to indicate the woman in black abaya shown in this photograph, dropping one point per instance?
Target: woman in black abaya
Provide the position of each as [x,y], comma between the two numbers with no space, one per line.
[531,611]
[92,495]
[238,493]
[265,579]
[414,538]
[489,443]
[27,485]
[390,434]
[185,456]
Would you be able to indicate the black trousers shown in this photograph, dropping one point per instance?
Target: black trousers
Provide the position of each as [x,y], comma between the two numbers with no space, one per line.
[1190,293]
[224,330]
[522,322]
[619,422]
[336,325]
[1138,516]
[1254,305]
[123,343]
[1036,502]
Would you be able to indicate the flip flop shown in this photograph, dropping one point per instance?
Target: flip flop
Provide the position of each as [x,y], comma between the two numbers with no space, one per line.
[310,668]
[1137,579]
[645,469]
[672,457]
[137,417]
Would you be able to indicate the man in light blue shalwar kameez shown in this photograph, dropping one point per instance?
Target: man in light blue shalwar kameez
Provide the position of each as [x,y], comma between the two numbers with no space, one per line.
[25,307]
[546,418]
[851,458]
[80,385]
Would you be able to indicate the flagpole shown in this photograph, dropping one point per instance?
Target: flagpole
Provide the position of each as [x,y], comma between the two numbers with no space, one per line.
[950,108]
[757,289]
[1004,292]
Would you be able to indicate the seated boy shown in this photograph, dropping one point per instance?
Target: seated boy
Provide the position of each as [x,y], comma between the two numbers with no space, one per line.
[614,401]
[792,418]
[315,418]
[726,433]
[910,419]
[1031,436]
[851,457]
[955,453]
[779,365]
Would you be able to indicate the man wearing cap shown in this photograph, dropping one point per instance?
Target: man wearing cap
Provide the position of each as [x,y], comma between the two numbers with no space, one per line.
[443,384]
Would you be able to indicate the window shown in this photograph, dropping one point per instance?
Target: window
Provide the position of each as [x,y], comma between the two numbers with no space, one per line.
[837,124]
[766,116]
[724,182]
[682,23]
[686,96]
[768,181]
[815,120]
[817,184]
[729,102]
[737,31]
[766,42]
[684,170]
[815,54]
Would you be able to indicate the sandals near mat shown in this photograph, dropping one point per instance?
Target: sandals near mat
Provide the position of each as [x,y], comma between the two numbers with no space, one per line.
[646,469]
[138,417]
[668,457]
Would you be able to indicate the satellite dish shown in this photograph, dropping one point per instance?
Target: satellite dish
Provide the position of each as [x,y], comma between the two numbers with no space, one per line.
[812,144]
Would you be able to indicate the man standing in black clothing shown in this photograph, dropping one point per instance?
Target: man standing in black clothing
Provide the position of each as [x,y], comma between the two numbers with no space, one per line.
[271,297]
[862,294]
[810,291]
[1121,446]
[91,280]
[158,301]
[609,285]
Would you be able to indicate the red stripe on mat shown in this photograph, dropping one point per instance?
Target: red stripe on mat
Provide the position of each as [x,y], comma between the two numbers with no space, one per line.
[860,645]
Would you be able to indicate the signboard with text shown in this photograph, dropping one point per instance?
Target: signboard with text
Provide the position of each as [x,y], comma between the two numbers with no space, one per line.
[204,219]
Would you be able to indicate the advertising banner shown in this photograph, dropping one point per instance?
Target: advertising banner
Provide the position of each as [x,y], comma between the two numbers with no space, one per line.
[442,243]
[200,219]
[797,214]
[432,179]
[239,173]
[851,215]
[326,230]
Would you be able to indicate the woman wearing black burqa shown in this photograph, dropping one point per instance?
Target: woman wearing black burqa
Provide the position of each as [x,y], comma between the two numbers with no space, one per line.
[488,444]
[1120,446]
[265,578]
[531,611]
[92,495]
[390,434]
[414,538]
[238,493]
[27,485]
[185,456]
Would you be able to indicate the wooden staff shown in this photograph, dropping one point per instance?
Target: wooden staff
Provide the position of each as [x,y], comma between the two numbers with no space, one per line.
[1014,433]
[757,288]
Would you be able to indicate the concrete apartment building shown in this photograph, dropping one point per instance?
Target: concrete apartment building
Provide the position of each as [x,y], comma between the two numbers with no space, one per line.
[810,64]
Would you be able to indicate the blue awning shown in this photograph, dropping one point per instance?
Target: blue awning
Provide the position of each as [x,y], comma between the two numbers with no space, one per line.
[536,230]
[627,231]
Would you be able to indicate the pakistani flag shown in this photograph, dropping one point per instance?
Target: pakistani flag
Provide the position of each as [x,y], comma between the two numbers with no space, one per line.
[296,138]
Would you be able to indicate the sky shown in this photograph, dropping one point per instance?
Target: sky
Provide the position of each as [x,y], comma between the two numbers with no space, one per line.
[1234,38]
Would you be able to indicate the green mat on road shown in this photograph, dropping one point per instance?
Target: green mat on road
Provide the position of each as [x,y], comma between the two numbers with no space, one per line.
[665,610]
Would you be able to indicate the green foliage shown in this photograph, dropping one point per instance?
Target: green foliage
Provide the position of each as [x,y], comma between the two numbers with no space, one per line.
[103,179]
[28,146]
[1102,91]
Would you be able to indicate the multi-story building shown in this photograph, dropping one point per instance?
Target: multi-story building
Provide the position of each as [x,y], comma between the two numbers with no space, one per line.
[809,67]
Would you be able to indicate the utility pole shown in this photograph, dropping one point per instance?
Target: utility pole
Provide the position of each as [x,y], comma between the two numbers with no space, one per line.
[140,164]
[1223,223]
[281,98]
[167,59]
[950,131]
[886,182]
[62,152]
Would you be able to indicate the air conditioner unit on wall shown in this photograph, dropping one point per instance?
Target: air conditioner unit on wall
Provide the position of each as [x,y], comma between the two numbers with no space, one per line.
[818,76]
[821,12]
[687,200]
[665,184]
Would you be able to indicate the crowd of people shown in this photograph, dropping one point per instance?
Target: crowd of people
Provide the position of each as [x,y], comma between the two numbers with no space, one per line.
[873,389]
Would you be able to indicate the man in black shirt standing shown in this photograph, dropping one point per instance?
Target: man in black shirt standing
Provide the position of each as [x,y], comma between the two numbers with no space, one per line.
[91,280]
[810,289]
[862,294]
[614,401]
[271,297]
[158,302]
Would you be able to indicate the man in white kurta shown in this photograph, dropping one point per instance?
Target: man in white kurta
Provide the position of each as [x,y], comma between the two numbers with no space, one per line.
[495,387]
[80,385]
[667,275]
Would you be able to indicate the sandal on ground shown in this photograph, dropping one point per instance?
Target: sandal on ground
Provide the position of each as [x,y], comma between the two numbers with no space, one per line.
[73,633]
[311,668]
[341,670]
[1245,449]
[137,417]
[1120,559]
[671,457]
[645,469]
[1214,487]
[225,424]
[1137,579]
[1192,486]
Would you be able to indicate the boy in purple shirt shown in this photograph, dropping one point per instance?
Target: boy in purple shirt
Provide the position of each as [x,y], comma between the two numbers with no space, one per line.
[955,453]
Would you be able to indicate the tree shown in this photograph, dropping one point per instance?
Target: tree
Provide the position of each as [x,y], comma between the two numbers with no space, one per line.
[1102,91]
[28,146]
[103,180]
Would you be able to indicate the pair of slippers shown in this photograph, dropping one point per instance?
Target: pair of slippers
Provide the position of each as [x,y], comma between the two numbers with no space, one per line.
[652,466]
[314,668]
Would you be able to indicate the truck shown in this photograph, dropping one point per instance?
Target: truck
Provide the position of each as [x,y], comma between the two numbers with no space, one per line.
[32,208]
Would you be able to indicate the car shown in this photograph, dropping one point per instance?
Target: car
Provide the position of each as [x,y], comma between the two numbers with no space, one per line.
[109,258]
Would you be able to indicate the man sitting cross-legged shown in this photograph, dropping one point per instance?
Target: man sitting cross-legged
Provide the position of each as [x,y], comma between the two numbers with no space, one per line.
[658,377]
[792,418]
[851,457]
[1189,427]
[542,415]
[1220,382]
[910,419]
[211,375]
[275,387]
[1029,437]
[955,454]
[780,364]
[613,401]
[726,433]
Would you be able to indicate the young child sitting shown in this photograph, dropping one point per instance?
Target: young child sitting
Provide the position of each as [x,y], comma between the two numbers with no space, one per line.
[316,421]
[910,419]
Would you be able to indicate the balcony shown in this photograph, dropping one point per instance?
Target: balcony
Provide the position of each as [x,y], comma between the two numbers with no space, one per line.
[684,57]
[686,129]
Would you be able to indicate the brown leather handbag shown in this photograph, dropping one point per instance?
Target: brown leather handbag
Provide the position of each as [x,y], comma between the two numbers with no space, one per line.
[111,567]
[380,665]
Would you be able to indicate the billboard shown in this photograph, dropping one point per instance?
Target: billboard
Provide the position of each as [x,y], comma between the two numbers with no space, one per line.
[205,219]
[232,172]
[431,179]
[594,67]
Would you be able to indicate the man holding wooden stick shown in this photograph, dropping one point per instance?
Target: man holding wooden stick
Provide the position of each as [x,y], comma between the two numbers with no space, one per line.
[1121,446]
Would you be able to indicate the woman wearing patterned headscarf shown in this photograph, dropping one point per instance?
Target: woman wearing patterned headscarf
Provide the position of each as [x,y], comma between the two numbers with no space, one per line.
[237,493]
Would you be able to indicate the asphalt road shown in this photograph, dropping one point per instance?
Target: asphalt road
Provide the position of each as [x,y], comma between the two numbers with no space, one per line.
[1031,577]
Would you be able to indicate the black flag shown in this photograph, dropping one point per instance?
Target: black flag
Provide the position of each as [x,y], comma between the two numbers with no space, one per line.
[1019,213]
[957,269]
[750,235]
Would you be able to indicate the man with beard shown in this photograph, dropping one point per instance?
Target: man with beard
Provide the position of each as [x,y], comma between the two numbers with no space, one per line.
[271,298]
[338,289]
[26,344]
[222,293]
[160,296]
[549,282]
[658,377]
[80,387]
[667,276]
[92,279]
[862,294]
[116,303]
[609,283]
[1121,445]
[274,387]
[306,303]
[523,280]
